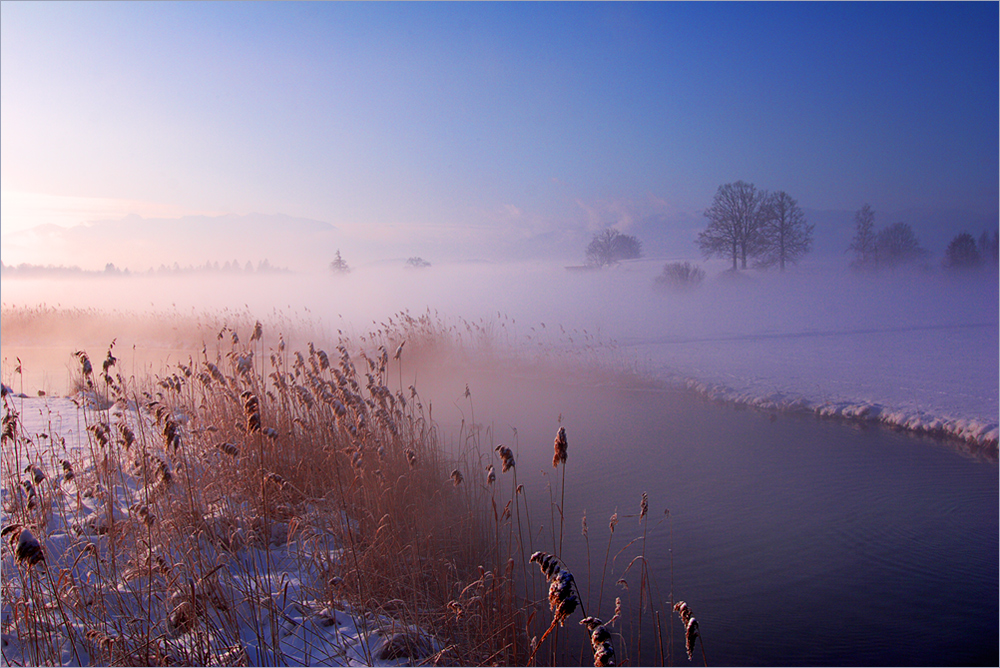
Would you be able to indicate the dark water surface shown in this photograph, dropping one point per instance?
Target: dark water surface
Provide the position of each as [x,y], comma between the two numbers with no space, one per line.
[796,541]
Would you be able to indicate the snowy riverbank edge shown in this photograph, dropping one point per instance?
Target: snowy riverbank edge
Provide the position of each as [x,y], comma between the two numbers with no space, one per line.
[976,432]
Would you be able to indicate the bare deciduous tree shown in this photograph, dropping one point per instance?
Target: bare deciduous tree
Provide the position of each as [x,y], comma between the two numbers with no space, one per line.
[898,245]
[785,236]
[735,219]
[863,244]
[962,253]
[612,246]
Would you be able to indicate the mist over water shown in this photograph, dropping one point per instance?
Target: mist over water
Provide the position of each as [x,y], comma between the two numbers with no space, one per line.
[619,300]
[926,339]
[775,522]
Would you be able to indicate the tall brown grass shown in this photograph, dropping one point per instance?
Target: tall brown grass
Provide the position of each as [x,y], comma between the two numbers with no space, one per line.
[202,484]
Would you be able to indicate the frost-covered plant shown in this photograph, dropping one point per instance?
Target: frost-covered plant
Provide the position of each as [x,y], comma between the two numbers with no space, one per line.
[600,641]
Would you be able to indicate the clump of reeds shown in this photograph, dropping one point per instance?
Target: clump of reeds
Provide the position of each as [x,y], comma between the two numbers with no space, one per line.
[404,546]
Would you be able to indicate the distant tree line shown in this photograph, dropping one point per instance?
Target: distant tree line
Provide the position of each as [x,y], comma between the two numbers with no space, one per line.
[233,267]
[745,223]
[897,245]
[894,246]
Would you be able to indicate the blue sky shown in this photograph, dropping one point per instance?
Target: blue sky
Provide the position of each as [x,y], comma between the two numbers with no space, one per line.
[537,118]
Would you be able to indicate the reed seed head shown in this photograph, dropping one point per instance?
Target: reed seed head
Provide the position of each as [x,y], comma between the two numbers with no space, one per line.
[690,626]
[643,506]
[229,448]
[25,546]
[36,473]
[456,477]
[559,448]
[251,410]
[85,365]
[507,456]
[562,599]
[600,641]
[491,475]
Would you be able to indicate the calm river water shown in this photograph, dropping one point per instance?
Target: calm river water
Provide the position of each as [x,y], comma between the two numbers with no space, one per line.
[796,541]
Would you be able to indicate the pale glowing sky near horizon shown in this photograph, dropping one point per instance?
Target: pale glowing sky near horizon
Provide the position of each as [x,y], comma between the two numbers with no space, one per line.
[485,115]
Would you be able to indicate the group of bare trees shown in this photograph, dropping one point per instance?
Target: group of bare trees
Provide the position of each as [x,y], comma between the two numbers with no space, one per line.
[747,223]
[893,246]
[611,246]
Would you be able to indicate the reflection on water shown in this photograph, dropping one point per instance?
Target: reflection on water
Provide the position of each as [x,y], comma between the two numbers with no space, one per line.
[795,541]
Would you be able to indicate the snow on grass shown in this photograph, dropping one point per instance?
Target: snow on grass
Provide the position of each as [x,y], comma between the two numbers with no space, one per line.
[254,605]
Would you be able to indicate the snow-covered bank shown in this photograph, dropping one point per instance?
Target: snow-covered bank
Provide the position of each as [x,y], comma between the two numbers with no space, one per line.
[259,601]
[979,433]
[937,379]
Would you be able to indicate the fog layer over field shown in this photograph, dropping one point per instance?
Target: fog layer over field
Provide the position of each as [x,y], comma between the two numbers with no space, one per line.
[914,341]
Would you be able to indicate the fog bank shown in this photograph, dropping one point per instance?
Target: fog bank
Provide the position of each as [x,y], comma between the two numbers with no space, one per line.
[917,340]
